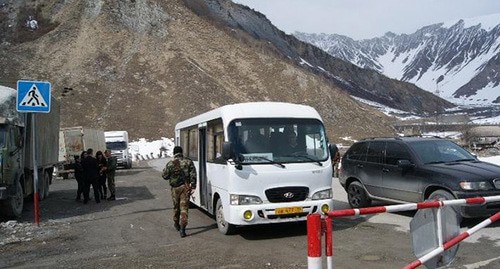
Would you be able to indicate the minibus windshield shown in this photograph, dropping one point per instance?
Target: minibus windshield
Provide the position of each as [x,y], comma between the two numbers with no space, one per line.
[282,140]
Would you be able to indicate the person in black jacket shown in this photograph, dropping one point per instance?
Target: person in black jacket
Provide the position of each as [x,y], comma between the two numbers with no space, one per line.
[91,173]
[79,174]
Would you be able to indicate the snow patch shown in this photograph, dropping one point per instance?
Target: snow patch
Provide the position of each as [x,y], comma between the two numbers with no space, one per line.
[146,150]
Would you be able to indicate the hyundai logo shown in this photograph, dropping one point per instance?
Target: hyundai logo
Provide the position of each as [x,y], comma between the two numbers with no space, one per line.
[288,195]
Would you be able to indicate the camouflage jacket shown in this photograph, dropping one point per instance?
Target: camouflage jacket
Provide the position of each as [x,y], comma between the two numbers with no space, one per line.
[187,167]
[112,163]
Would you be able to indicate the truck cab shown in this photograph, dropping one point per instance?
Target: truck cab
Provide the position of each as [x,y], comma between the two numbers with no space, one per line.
[117,142]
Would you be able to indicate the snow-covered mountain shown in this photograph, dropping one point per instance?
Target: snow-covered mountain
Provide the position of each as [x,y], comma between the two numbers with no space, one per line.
[459,60]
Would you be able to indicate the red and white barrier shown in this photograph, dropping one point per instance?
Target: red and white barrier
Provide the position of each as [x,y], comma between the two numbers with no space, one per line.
[314,241]
[409,207]
[452,242]
[316,227]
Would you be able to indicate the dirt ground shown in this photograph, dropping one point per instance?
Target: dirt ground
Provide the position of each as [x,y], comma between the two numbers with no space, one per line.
[136,232]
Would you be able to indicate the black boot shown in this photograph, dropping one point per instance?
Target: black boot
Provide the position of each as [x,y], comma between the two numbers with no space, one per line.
[183,231]
[112,197]
[177,226]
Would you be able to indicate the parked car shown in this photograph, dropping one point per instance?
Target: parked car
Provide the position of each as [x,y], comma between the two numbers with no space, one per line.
[415,169]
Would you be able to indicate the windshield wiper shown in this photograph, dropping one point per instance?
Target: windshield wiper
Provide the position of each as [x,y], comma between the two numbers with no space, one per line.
[307,158]
[435,162]
[270,161]
[464,160]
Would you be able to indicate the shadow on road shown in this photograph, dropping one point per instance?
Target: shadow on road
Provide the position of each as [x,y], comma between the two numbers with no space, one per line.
[272,231]
[61,203]
[202,229]
[130,172]
[469,223]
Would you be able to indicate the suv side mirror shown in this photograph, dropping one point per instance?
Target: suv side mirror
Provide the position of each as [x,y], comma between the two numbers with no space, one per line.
[405,164]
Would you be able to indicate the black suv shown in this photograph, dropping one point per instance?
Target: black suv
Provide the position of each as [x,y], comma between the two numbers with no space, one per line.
[414,169]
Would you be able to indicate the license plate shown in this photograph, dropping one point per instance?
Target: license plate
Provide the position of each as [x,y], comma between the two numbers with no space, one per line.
[287,210]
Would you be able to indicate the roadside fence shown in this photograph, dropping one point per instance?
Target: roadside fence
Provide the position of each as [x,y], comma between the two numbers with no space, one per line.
[317,226]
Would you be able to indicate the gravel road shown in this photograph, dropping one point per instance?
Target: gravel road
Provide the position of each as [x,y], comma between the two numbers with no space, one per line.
[136,232]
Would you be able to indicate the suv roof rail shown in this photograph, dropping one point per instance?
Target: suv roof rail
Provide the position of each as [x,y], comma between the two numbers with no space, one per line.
[389,137]
[422,135]
[399,137]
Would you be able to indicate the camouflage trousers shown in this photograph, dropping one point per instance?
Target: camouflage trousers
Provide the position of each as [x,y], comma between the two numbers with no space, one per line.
[111,182]
[180,197]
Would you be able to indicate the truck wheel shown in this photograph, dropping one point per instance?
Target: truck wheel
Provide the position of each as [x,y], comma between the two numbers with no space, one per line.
[223,226]
[13,206]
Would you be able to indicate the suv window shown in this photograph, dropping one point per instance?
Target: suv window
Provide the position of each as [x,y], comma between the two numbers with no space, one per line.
[395,152]
[375,152]
[357,152]
[440,151]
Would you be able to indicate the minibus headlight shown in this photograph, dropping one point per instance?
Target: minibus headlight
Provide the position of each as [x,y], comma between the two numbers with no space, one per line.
[475,186]
[237,199]
[325,194]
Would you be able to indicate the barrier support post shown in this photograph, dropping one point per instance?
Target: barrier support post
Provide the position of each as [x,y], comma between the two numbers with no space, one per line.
[314,241]
[328,243]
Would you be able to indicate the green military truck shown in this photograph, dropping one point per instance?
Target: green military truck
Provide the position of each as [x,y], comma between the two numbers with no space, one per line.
[16,152]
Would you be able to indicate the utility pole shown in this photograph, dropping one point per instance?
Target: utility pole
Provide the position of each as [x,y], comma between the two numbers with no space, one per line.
[437,103]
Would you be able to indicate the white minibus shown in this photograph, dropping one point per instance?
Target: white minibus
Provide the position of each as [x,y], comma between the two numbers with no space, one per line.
[257,163]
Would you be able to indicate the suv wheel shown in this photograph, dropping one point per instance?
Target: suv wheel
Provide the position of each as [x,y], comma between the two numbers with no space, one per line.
[357,196]
[441,195]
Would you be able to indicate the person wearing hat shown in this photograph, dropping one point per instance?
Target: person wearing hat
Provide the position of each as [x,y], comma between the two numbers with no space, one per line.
[181,175]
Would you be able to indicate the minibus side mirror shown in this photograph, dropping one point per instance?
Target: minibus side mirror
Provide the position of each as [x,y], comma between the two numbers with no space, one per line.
[227,150]
[228,153]
[333,150]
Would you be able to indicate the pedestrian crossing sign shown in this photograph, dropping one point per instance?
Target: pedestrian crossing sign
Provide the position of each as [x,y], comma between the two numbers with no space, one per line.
[33,96]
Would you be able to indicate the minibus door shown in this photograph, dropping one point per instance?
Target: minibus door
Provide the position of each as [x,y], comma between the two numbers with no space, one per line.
[203,166]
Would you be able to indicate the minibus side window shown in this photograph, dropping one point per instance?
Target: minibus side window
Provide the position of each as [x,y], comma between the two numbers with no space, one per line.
[215,137]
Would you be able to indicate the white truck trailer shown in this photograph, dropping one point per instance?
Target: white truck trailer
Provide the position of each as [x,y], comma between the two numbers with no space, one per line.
[74,140]
[117,142]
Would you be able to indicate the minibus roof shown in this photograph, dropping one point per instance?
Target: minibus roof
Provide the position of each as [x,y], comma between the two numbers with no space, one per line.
[252,110]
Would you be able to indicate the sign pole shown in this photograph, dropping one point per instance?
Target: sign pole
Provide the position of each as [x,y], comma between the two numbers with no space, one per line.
[33,97]
[35,169]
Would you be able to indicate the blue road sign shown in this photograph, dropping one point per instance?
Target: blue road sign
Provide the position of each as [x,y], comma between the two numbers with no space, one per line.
[33,96]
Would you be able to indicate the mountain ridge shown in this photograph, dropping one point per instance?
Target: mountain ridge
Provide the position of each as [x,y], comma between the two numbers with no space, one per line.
[362,83]
[459,61]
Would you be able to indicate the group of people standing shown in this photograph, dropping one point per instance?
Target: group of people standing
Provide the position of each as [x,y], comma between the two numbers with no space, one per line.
[93,171]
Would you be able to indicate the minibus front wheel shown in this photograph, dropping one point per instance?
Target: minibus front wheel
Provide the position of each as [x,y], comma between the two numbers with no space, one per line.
[223,226]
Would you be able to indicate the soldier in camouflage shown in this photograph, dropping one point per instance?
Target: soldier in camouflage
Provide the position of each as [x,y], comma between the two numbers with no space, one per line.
[181,174]
[110,173]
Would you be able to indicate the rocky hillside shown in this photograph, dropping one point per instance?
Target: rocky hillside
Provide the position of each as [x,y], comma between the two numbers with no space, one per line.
[143,65]
[359,82]
[460,60]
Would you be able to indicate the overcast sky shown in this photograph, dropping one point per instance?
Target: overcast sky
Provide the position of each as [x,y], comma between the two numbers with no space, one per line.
[367,18]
